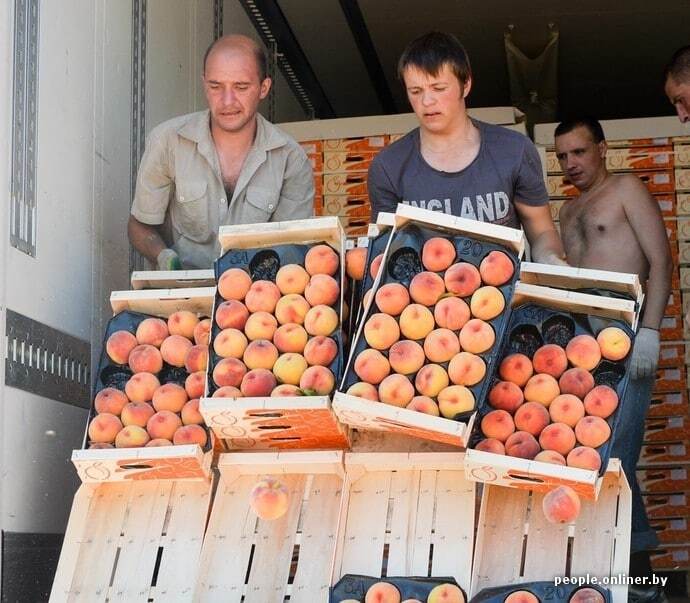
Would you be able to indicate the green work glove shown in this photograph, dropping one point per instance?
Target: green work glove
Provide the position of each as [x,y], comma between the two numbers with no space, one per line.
[168,260]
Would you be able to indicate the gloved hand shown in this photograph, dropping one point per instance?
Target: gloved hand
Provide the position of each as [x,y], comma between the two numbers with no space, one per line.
[645,353]
[168,260]
[549,257]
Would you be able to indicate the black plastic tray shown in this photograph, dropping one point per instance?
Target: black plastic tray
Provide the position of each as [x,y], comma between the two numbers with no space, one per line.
[546,592]
[353,586]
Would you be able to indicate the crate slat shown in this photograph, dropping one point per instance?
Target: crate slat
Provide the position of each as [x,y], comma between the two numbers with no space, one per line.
[424,524]
[404,485]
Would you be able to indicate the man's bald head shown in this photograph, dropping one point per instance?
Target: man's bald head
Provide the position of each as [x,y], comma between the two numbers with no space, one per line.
[236,42]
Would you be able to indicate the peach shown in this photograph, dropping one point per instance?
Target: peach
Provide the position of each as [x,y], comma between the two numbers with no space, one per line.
[430,380]
[292,278]
[366,298]
[382,592]
[355,262]
[531,417]
[197,358]
[232,314]
[426,288]
[455,399]
[170,397]
[260,353]
[614,343]
[145,358]
[262,325]
[375,265]
[396,390]
[104,428]
[190,434]
[522,445]
[466,369]
[587,595]
[234,284]
[584,457]
[516,368]
[320,350]
[158,442]
[551,456]
[321,259]
[317,380]
[286,390]
[321,320]
[416,321]
[136,413]
[371,366]
[289,368]
[230,343]
[227,391]
[290,338]
[392,299]
[141,386]
[541,388]
[451,313]
[190,414]
[602,401]
[476,336]
[202,332]
[558,437]
[567,409]
[446,593]
[258,383]
[322,289]
[441,345]
[521,596]
[163,424]
[438,254]
[119,345]
[583,352]
[506,396]
[491,445]
[363,390]
[152,331]
[561,505]
[132,436]
[462,279]
[183,323]
[592,431]
[100,446]
[550,359]
[262,297]
[487,303]
[269,499]
[229,371]
[496,268]
[111,400]
[425,405]
[292,309]
[576,381]
[381,331]
[174,349]
[497,424]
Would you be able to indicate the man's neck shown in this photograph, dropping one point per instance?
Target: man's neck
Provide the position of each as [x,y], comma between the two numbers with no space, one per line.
[240,140]
[596,183]
[459,133]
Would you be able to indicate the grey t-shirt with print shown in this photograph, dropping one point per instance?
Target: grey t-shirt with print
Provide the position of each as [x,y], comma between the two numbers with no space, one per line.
[507,168]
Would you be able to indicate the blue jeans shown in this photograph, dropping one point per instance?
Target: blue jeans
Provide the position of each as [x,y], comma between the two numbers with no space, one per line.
[627,444]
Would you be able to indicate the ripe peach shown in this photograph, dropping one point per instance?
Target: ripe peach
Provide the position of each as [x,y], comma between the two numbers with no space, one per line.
[321,259]
[491,445]
[561,505]
[425,405]
[260,353]
[496,268]
[392,299]
[289,368]
[445,593]
[441,345]
[498,424]
[269,499]
[136,413]
[558,437]
[132,436]
[317,379]
[355,262]
[576,381]
[320,350]
[476,336]
[141,386]
[227,391]
[451,313]
[104,427]
[516,368]
[163,424]
[202,332]
[197,358]
[174,349]
[158,442]
[587,595]
[292,278]
[234,284]
[111,400]
[592,431]
[261,325]
[430,380]
[230,343]
[290,338]
[232,314]
[466,369]
[372,366]
[521,596]
[190,434]
[416,321]
[145,358]
[462,279]
[183,323]
[506,396]
[363,390]
[567,409]
[531,417]
[375,265]
[229,371]
[550,456]
[584,457]
[119,345]
[291,309]
[396,390]
[170,397]
[522,445]
[614,343]
[321,320]
[487,303]
[583,352]
[322,289]
[381,331]
[190,413]
[262,297]
[438,254]
[258,383]
[426,288]
[152,331]
[602,401]
[541,388]
[286,390]
[550,359]
[382,592]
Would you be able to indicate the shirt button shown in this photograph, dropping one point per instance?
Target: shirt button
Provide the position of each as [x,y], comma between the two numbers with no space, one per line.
[181,198]
[270,207]
[221,201]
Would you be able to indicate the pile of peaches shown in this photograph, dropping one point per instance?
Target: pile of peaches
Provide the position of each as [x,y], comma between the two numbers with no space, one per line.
[548,408]
[386,592]
[425,342]
[148,412]
[276,338]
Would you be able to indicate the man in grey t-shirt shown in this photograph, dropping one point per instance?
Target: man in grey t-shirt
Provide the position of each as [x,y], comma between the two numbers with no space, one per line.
[457,165]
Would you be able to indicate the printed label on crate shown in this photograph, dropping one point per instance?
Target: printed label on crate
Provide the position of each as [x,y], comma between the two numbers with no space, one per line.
[345,184]
[683,179]
[683,204]
[369,143]
[682,152]
[347,205]
[347,161]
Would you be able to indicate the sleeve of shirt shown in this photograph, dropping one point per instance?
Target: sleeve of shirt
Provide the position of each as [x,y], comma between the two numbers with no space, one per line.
[297,193]
[530,187]
[382,195]
[154,183]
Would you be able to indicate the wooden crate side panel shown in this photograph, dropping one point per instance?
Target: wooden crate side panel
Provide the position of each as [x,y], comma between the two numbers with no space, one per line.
[670,453]
[163,302]
[405,486]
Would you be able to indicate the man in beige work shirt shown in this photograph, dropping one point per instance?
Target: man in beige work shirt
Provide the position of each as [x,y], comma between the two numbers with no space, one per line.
[225,165]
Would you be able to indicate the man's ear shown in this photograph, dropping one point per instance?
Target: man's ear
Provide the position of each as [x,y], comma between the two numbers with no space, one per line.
[467,87]
[603,147]
[265,88]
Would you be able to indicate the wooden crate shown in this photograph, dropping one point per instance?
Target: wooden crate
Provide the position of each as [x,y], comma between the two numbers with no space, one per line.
[666,429]
[515,543]
[682,179]
[355,226]
[664,454]
[133,541]
[669,404]
[172,279]
[683,204]
[371,144]
[667,505]
[670,558]
[347,205]
[670,379]
[354,183]
[664,479]
[671,530]
[335,162]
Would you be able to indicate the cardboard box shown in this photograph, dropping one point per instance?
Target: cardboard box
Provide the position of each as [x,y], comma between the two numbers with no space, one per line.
[683,204]
[666,429]
[664,453]
[669,404]
[667,204]
[683,179]
[670,379]
[671,354]
[626,159]
[671,558]
[347,205]
[667,505]
[661,181]
[674,530]
[172,279]
[671,328]
[664,479]
[335,162]
[351,183]
[682,152]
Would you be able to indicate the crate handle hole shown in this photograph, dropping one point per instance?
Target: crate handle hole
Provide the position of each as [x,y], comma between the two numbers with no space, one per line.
[524,478]
[274,427]
[266,415]
[286,439]
[137,466]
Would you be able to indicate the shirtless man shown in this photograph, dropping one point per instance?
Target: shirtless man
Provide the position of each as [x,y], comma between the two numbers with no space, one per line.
[615,224]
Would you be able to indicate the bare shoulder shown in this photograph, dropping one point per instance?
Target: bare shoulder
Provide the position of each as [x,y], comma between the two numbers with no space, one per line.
[632,190]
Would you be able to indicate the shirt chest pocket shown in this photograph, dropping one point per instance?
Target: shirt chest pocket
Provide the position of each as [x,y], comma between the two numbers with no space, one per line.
[190,211]
[259,205]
